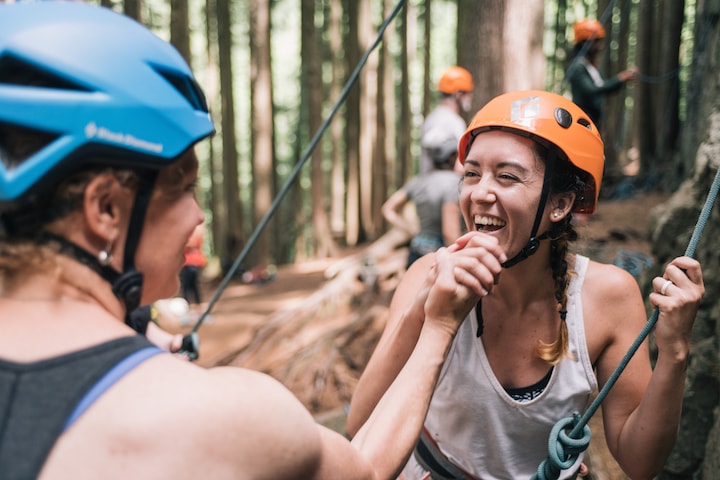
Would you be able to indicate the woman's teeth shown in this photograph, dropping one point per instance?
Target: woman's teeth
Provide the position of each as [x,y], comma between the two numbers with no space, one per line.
[488,224]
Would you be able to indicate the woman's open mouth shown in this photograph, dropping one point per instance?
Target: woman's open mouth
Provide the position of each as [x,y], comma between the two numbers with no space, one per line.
[488,224]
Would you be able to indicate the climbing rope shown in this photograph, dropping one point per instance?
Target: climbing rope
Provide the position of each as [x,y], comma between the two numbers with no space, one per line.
[563,447]
[190,341]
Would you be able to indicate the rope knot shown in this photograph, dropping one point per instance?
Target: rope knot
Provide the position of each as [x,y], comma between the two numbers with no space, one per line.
[563,448]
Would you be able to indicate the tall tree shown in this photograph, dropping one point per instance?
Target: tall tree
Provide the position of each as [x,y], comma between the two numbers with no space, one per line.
[262,130]
[233,220]
[132,9]
[480,46]
[214,163]
[404,158]
[352,128]
[657,99]
[312,88]
[385,145]
[615,59]
[428,91]
[337,182]
[180,28]
[523,53]
[368,124]
[491,47]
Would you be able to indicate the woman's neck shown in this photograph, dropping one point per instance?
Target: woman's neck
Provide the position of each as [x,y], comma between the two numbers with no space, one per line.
[71,281]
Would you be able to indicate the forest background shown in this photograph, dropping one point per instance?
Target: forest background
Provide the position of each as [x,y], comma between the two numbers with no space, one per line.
[278,188]
[274,71]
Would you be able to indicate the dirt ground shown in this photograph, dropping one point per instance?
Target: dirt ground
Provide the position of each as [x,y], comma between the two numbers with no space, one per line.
[314,331]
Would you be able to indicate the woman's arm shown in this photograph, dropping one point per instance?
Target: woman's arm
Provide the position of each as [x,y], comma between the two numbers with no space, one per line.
[402,330]
[392,212]
[476,261]
[642,411]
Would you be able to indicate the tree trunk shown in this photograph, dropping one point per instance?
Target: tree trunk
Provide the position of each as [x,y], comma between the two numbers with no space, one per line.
[132,9]
[214,163]
[337,185]
[523,54]
[614,59]
[480,47]
[180,28]
[352,128]
[658,96]
[233,219]
[368,122]
[384,152]
[261,114]
[404,158]
[428,88]
[312,86]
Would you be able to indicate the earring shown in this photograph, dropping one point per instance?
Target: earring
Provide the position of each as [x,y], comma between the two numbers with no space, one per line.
[105,257]
[556,214]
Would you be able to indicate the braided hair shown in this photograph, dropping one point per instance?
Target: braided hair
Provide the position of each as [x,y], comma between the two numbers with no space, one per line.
[567,178]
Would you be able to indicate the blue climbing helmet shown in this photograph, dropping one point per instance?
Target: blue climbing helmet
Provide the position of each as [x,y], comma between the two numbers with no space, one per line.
[99,89]
[95,84]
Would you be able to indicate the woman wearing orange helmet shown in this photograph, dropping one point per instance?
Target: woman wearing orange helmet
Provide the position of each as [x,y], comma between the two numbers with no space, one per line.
[587,84]
[551,325]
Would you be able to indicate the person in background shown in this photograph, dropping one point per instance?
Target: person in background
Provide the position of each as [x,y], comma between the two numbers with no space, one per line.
[456,90]
[195,261]
[435,196]
[555,325]
[588,86]
[98,122]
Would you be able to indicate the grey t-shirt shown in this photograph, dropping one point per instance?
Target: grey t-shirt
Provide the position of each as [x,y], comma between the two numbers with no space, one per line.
[429,192]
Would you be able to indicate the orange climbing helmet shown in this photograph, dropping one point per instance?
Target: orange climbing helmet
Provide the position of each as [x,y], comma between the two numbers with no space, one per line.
[588,30]
[548,118]
[455,79]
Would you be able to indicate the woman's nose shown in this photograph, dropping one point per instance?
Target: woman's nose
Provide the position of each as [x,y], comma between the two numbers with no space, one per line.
[483,192]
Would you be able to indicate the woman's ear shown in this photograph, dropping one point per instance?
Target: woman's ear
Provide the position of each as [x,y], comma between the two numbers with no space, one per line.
[104,205]
[561,206]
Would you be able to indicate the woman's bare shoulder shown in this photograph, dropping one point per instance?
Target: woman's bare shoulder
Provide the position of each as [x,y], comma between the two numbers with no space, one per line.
[179,417]
[607,281]
[612,305]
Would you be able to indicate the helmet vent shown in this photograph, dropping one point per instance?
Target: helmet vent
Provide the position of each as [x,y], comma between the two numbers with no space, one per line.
[187,87]
[585,123]
[14,71]
[24,144]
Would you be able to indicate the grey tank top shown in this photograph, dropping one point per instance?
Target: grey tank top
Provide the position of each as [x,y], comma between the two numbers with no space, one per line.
[39,400]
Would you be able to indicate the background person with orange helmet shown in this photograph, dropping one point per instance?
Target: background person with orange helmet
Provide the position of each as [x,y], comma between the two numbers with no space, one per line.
[552,326]
[587,84]
[455,87]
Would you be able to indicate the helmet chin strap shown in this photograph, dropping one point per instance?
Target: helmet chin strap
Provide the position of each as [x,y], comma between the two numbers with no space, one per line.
[533,243]
[127,286]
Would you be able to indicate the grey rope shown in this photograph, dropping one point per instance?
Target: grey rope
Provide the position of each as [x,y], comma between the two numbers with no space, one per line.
[564,448]
[190,342]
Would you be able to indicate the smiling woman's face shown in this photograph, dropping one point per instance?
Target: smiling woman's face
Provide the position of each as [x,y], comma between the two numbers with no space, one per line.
[501,188]
[173,214]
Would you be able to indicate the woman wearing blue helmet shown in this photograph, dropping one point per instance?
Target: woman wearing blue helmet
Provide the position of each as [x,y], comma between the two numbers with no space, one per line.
[98,118]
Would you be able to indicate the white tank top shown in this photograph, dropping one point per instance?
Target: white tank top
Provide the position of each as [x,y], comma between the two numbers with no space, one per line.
[480,428]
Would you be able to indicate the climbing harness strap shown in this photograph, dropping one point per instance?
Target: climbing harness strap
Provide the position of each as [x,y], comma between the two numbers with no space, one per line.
[429,456]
